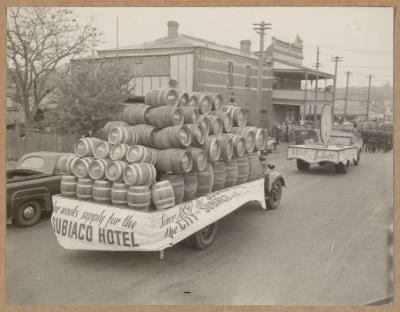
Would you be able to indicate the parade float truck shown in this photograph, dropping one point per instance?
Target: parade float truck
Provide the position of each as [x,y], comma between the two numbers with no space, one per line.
[335,148]
[87,225]
[161,176]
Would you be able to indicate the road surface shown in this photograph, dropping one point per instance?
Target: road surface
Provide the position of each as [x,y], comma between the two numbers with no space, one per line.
[325,244]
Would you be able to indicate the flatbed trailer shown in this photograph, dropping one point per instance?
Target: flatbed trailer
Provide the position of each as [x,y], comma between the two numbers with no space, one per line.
[87,225]
[339,155]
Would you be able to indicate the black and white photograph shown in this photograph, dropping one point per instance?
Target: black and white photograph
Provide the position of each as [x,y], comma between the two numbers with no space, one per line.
[199,155]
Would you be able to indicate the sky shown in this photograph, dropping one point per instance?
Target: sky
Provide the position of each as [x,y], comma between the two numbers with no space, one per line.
[363,37]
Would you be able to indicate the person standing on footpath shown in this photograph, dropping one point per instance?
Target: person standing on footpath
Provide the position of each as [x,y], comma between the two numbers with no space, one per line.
[276,132]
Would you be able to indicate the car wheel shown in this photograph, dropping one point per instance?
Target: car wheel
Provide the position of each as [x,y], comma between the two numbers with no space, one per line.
[28,214]
[302,165]
[275,195]
[204,238]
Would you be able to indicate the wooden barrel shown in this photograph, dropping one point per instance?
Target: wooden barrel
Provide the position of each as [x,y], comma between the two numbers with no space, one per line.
[118,151]
[85,146]
[205,124]
[145,134]
[173,137]
[102,149]
[139,174]
[255,168]
[219,175]
[84,189]
[239,116]
[193,101]
[162,194]
[243,169]
[126,135]
[239,148]
[68,185]
[260,139]
[112,124]
[216,125]
[226,119]
[212,148]
[205,103]
[162,97]
[198,135]
[217,101]
[119,193]
[174,160]
[226,146]
[97,169]
[81,167]
[139,197]
[231,170]
[199,158]
[190,186]
[65,163]
[165,116]
[135,114]
[177,183]
[183,99]
[205,181]
[102,191]
[190,115]
[249,138]
[115,170]
[139,153]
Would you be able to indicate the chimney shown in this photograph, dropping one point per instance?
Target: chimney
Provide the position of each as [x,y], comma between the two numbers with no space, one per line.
[172,29]
[245,46]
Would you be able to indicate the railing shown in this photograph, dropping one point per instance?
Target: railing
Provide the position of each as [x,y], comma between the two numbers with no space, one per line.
[301,95]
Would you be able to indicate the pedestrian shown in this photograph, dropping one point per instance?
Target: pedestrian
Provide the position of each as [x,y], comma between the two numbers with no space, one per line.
[276,132]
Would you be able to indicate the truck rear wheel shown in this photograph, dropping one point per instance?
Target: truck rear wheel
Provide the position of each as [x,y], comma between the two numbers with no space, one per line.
[28,214]
[340,168]
[302,165]
[204,238]
[358,158]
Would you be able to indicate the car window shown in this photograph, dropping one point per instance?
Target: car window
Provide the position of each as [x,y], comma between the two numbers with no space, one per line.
[33,162]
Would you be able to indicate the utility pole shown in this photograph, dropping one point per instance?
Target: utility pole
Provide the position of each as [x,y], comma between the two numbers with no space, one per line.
[260,29]
[117,41]
[335,59]
[369,94]
[345,97]
[317,66]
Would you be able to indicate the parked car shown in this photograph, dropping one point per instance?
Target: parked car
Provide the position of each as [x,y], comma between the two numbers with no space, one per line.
[30,186]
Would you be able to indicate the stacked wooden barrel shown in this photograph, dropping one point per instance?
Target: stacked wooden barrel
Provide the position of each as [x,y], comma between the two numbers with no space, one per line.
[173,147]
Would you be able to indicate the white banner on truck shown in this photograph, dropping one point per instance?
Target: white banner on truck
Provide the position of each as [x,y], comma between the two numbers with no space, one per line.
[331,154]
[88,225]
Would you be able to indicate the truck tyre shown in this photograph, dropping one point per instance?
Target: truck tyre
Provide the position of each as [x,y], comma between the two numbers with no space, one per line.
[302,165]
[204,238]
[28,213]
[340,168]
[358,158]
[275,195]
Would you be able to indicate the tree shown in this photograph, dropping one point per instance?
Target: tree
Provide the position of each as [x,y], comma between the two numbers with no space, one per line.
[91,96]
[38,41]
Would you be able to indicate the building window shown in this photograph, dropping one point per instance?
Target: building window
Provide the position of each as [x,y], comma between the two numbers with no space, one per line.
[247,82]
[230,74]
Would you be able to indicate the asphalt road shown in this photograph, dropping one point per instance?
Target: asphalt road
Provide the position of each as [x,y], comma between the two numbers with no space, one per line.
[325,244]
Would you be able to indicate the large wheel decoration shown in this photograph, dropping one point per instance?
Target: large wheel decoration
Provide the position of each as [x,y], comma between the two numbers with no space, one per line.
[326,123]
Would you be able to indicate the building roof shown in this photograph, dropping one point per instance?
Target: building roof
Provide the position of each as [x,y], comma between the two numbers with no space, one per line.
[181,41]
[298,70]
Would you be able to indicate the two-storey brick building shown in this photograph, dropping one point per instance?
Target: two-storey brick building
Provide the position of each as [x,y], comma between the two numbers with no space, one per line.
[200,65]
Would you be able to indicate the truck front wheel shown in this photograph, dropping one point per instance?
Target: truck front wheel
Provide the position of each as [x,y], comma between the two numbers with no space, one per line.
[340,168]
[204,238]
[27,214]
[274,198]
[302,165]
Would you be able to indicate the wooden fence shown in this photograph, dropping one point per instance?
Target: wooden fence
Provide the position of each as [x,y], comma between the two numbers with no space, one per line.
[32,142]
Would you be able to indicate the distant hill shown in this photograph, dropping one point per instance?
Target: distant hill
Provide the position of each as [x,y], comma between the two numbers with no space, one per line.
[381,97]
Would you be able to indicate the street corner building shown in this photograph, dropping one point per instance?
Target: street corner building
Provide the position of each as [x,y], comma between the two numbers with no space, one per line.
[290,91]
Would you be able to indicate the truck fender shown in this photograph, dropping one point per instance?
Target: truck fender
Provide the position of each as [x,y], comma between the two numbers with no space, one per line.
[40,193]
[269,180]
